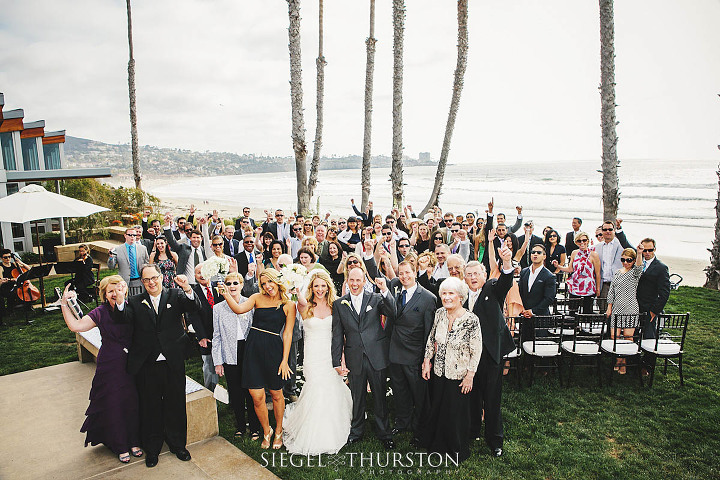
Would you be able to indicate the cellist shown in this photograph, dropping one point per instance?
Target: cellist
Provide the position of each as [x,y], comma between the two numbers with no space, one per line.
[7,281]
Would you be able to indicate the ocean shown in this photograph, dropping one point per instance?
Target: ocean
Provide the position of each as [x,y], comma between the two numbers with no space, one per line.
[672,201]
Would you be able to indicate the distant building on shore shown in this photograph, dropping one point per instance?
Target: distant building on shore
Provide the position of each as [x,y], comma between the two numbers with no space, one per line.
[31,155]
[424,157]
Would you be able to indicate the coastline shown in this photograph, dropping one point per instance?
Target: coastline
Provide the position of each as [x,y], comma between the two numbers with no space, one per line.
[692,270]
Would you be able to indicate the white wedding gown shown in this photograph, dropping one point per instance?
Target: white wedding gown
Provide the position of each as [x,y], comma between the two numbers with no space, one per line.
[319,421]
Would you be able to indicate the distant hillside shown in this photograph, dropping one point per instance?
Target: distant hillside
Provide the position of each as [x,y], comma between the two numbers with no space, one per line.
[159,162]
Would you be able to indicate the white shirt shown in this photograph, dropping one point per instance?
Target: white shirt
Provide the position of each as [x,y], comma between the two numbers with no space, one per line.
[608,256]
[190,268]
[357,301]
[472,298]
[533,275]
[441,271]
[646,263]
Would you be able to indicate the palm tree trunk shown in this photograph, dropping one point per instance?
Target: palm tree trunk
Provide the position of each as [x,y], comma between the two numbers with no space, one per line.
[396,171]
[367,138]
[320,64]
[712,272]
[296,100]
[462,16]
[133,108]
[610,184]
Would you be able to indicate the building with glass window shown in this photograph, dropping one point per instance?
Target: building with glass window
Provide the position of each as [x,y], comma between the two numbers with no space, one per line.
[31,155]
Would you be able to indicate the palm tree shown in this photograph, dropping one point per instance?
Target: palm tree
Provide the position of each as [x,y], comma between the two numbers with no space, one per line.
[320,64]
[396,171]
[712,272]
[367,139]
[296,101]
[133,108]
[462,16]
[610,187]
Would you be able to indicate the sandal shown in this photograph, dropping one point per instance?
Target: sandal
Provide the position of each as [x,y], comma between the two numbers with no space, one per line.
[266,440]
[136,452]
[240,434]
[255,436]
[278,438]
[124,457]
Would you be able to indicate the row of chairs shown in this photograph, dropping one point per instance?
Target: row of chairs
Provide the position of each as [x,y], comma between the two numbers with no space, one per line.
[584,339]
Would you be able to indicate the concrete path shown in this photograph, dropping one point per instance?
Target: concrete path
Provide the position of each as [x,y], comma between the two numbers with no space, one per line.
[42,412]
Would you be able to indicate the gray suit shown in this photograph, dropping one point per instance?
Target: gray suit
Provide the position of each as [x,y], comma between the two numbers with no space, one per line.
[366,345]
[122,262]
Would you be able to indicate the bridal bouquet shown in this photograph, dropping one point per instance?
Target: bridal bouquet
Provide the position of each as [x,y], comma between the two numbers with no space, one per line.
[215,266]
[292,277]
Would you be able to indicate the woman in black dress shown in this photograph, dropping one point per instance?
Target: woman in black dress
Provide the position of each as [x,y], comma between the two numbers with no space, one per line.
[266,349]
[332,261]
[112,417]
[555,251]
[84,277]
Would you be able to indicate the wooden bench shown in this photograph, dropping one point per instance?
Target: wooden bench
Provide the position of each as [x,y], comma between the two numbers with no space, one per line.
[202,420]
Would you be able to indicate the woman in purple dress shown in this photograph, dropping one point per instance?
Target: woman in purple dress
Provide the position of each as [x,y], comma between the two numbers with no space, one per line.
[112,417]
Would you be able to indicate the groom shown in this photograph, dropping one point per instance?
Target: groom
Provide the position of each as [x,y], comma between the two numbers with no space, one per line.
[358,330]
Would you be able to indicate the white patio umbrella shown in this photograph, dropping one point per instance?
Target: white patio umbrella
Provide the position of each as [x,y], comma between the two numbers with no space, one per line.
[33,203]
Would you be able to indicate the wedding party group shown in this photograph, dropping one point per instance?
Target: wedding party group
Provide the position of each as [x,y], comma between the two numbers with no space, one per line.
[426,304]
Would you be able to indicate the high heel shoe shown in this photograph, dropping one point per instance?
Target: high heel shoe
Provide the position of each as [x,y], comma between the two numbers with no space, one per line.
[278,438]
[266,440]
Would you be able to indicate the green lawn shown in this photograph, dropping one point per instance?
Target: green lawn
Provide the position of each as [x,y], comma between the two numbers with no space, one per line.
[552,432]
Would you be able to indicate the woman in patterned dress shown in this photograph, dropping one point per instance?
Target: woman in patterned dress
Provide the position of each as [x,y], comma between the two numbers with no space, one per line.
[166,259]
[454,345]
[622,296]
[585,281]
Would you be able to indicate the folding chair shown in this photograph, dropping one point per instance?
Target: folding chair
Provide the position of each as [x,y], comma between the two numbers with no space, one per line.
[515,356]
[623,344]
[584,342]
[541,345]
[669,342]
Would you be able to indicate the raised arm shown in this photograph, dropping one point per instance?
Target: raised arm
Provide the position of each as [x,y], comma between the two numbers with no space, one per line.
[75,324]
[243,307]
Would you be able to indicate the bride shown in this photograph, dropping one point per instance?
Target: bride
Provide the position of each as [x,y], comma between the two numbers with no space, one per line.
[319,422]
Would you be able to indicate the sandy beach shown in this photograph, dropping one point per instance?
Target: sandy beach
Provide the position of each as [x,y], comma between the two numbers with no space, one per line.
[691,270]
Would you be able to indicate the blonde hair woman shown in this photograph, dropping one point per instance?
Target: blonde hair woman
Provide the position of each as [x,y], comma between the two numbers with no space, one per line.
[267,349]
[112,417]
[319,422]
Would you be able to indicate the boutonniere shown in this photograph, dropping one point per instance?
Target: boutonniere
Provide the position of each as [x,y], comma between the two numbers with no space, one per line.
[168,305]
[369,307]
[346,302]
[145,302]
[397,290]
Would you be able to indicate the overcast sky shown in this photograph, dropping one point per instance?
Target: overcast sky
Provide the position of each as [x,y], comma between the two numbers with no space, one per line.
[214,75]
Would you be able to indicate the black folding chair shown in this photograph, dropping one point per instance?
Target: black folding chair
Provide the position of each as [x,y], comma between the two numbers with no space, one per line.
[514,358]
[584,342]
[624,343]
[669,342]
[537,344]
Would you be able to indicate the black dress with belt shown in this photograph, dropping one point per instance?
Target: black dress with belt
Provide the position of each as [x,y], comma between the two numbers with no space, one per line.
[264,350]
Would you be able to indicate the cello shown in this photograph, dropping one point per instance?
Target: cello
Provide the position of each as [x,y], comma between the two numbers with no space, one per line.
[27,292]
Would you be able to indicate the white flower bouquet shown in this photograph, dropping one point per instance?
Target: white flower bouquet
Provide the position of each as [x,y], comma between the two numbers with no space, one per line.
[292,277]
[214,266]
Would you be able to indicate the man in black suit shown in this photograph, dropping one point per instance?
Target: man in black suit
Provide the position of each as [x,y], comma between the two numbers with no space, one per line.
[570,244]
[246,215]
[534,240]
[157,357]
[246,256]
[357,330]
[653,288]
[537,285]
[485,299]
[202,322]
[408,335]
